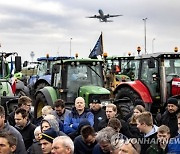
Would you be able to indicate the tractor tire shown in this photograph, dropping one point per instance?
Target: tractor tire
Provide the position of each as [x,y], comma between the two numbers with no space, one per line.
[128,94]
[40,102]
[41,85]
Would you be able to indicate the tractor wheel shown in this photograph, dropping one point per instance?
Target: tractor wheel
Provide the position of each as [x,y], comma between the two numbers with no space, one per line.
[125,98]
[41,85]
[40,102]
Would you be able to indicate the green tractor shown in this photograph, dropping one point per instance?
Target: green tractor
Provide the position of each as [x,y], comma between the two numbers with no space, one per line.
[6,91]
[70,79]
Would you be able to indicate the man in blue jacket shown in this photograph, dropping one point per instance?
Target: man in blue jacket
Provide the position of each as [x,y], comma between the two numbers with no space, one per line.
[78,114]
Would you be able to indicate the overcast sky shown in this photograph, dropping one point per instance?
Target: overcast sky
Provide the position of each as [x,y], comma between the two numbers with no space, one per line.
[46,26]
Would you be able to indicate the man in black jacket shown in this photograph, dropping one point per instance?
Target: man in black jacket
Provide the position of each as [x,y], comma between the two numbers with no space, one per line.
[99,113]
[84,143]
[169,117]
[24,126]
[24,102]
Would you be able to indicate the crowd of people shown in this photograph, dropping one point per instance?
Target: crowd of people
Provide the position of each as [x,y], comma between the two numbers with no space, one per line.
[93,130]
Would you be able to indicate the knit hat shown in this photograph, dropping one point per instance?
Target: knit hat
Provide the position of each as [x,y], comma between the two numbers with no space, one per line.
[172,100]
[96,101]
[49,135]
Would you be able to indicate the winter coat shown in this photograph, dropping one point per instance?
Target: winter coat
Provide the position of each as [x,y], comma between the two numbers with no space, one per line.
[98,117]
[174,145]
[72,121]
[156,149]
[35,148]
[170,120]
[20,149]
[27,133]
[80,147]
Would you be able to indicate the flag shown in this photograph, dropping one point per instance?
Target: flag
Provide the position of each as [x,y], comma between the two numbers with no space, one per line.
[13,84]
[98,48]
[11,69]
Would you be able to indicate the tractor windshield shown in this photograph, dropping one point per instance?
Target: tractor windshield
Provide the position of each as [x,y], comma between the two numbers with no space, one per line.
[44,68]
[172,66]
[83,75]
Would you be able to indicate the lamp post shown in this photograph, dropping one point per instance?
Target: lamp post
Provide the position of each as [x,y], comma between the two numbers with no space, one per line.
[153,44]
[145,34]
[70,46]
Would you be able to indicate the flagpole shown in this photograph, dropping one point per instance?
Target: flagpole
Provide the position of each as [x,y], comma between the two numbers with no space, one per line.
[102,43]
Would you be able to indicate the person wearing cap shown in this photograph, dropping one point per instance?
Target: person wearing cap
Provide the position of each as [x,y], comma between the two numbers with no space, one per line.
[46,140]
[169,117]
[98,112]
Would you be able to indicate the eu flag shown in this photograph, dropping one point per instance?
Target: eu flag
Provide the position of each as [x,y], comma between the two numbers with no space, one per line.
[98,48]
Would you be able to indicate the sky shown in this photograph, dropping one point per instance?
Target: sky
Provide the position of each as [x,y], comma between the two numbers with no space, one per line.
[55,26]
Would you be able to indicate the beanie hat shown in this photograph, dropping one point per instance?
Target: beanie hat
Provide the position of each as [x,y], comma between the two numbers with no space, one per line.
[96,101]
[49,135]
[172,100]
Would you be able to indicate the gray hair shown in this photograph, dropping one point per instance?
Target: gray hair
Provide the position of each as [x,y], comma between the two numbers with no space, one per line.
[105,134]
[38,128]
[65,141]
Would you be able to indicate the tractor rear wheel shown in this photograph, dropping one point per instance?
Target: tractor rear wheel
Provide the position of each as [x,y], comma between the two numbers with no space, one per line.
[124,99]
[40,102]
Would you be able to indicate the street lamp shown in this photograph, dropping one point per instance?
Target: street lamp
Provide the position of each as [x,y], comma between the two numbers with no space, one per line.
[70,46]
[153,44]
[145,34]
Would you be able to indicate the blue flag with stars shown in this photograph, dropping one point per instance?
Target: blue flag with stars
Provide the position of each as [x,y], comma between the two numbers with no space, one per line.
[98,48]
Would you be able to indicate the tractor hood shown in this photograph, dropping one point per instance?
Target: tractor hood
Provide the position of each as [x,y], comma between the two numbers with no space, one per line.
[93,90]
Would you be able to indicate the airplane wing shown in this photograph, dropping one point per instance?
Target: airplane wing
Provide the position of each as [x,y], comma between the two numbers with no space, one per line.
[95,16]
[110,16]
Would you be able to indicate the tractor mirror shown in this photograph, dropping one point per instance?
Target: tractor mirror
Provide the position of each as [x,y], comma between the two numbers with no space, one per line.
[17,64]
[25,63]
[55,68]
[151,63]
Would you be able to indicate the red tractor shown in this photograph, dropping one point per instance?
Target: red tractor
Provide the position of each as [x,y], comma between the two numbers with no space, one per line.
[157,77]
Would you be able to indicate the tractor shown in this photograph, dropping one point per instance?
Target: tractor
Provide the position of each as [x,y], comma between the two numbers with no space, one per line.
[6,90]
[72,78]
[44,71]
[157,77]
[118,69]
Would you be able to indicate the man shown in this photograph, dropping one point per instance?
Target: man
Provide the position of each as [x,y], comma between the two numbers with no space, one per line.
[104,138]
[5,127]
[145,125]
[98,112]
[60,111]
[79,113]
[85,142]
[128,147]
[62,145]
[23,102]
[7,143]
[169,117]
[46,140]
[111,112]
[160,147]
[24,126]
[173,146]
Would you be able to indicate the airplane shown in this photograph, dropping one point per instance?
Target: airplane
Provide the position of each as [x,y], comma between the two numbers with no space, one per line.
[102,17]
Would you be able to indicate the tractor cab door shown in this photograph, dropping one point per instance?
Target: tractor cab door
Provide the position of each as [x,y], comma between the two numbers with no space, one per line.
[148,70]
